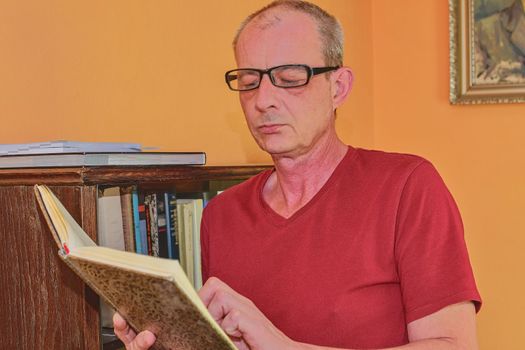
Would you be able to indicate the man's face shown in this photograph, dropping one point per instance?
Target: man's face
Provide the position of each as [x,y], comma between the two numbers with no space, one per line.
[285,122]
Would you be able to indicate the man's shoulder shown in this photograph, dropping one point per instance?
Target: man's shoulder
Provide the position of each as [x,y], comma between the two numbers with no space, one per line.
[383,161]
[242,192]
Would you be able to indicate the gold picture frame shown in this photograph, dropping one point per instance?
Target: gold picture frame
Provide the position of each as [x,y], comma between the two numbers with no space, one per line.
[482,68]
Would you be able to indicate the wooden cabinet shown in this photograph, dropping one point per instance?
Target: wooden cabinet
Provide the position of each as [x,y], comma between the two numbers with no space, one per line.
[43,304]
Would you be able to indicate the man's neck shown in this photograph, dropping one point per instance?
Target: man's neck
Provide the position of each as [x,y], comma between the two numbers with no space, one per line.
[298,179]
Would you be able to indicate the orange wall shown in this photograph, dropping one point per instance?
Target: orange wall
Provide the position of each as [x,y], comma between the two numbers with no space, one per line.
[151,72]
[146,71]
[479,150]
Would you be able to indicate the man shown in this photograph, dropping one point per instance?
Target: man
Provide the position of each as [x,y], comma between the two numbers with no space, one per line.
[335,247]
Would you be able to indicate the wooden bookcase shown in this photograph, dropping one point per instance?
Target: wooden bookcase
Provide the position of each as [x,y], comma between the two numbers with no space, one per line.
[43,304]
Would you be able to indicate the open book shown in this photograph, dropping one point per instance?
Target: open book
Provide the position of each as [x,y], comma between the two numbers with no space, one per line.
[150,293]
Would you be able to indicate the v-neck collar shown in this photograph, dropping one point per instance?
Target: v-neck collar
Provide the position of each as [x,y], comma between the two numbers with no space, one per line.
[279,220]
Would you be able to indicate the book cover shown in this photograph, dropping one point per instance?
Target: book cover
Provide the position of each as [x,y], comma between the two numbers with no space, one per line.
[150,293]
[185,240]
[102,159]
[162,229]
[192,226]
[136,220]
[151,218]
[143,225]
[127,218]
[111,233]
[173,227]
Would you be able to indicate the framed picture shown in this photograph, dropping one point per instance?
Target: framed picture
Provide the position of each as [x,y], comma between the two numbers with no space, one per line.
[487,51]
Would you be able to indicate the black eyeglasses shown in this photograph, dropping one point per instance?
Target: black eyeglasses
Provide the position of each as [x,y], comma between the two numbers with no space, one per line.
[285,76]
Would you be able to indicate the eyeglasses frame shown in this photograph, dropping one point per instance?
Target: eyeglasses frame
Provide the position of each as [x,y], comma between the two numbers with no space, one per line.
[311,71]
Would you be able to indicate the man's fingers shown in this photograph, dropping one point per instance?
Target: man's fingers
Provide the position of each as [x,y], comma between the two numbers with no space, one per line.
[212,286]
[118,321]
[122,330]
[133,341]
[143,341]
[230,324]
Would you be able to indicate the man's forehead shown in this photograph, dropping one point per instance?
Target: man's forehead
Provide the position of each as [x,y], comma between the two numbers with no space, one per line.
[279,34]
[280,18]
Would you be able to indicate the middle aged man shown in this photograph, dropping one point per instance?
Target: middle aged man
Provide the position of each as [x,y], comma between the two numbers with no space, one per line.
[336,246]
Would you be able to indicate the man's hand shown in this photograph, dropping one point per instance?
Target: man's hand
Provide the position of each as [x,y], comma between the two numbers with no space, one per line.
[241,320]
[142,341]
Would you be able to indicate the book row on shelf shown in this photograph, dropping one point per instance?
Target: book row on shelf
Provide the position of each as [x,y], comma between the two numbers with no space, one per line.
[160,223]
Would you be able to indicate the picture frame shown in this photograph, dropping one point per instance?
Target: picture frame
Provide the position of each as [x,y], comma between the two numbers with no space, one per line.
[487,64]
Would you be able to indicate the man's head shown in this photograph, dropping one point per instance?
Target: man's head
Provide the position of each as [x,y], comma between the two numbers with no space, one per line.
[289,120]
[329,28]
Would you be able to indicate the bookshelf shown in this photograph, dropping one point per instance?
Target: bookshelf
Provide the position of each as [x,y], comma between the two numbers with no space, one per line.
[43,304]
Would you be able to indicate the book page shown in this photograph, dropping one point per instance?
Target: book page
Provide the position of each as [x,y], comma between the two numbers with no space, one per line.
[68,230]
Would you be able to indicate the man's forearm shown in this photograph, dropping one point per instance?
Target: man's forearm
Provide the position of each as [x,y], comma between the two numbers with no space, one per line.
[427,344]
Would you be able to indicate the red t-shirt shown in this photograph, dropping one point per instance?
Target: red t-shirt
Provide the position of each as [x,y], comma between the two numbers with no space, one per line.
[380,245]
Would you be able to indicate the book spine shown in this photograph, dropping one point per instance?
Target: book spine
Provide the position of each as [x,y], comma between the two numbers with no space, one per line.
[136,220]
[144,221]
[188,241]
[151,213]
[168,225]
[162,228]
[109,218]
[197,216]
[127,218]
[180,235]
[174,224]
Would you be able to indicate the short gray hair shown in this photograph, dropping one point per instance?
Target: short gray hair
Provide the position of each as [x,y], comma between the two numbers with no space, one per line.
[329,28]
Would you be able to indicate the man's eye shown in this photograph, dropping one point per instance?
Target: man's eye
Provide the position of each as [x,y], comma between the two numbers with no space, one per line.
[291,77]
[291,80]
[248,80]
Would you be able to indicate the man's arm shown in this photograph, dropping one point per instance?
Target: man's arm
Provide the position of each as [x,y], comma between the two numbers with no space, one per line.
[451,328]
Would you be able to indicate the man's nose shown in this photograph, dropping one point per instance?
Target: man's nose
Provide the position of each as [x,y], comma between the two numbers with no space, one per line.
[266,94]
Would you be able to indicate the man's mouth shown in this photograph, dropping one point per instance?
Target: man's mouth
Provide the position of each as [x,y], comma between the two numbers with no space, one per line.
[270,128]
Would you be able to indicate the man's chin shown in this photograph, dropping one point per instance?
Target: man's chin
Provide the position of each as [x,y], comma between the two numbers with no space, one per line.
[280,151]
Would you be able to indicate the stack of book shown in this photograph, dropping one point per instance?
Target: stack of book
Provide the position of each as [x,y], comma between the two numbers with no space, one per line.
[63,146]
[79,154]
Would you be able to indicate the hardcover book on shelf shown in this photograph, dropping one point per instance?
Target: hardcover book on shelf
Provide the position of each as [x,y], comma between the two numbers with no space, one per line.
[152,221]
[151,293]
[128,226]
[185,240]
[143,225]
[172,225]
[64,146]
[136,220]
[192,215]
[102,159]
[162,226]
[111,234]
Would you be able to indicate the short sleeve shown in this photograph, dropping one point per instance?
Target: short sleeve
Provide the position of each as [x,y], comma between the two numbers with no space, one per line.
[431,254]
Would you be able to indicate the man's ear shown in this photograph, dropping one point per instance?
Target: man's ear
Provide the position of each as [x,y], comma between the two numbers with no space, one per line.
[342,81]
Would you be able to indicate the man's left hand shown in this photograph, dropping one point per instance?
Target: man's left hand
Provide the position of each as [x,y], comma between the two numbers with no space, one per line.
[238,316]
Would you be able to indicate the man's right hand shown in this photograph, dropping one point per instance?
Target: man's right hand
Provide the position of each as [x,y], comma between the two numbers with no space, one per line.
[142,341]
